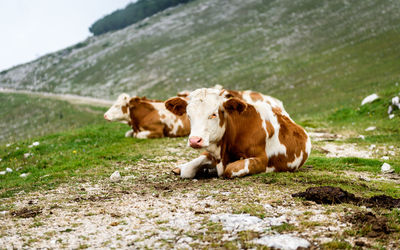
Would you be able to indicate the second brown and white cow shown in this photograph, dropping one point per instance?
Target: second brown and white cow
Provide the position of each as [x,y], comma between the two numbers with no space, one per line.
[147,118]
[240,137]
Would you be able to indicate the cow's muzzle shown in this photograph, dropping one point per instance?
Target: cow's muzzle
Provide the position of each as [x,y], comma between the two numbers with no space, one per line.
[196,142]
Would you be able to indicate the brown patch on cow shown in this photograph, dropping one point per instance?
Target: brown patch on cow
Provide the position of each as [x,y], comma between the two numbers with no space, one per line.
[233,93]
[124,109]
[270,129]
[235,105]
[221,115]
[176,105]
[176,171]
[255,96]
[163,116]
[244,136]
[145,117]
[294,138]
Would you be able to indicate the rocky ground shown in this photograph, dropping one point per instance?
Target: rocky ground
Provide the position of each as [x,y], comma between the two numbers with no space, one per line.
[149,207]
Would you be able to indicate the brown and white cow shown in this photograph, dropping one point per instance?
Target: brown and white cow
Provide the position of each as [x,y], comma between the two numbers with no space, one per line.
[240,137]
[148,118]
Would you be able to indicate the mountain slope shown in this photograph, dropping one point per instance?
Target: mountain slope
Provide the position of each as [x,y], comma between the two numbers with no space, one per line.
[314,55]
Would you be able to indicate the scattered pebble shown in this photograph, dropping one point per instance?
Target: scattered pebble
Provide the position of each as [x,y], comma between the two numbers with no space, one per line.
[9,170]
[385,158]
[361,137]
[115,177]
[386,168]
[8,144]
[2,172]
[4,213]
[36,143]
[391,116]
[26,155]
[282,241]
[24,175]
[372,146]
[369,99]
[370,128]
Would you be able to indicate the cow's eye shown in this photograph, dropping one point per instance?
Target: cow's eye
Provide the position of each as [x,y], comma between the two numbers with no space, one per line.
[212,116]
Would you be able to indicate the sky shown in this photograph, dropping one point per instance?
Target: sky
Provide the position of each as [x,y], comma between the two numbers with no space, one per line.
[32,28]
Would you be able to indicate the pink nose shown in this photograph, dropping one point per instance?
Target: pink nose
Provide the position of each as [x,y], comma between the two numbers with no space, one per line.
[196,142]
[105,117]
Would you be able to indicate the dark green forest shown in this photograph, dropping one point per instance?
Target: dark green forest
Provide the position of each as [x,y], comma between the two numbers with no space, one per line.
[132,13]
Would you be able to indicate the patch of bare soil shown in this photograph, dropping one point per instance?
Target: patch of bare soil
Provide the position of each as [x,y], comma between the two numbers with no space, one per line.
[326,195]
[335,195]
[373,226]
[27,212]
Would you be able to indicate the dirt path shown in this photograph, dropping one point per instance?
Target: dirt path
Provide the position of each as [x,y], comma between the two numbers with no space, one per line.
[75,99]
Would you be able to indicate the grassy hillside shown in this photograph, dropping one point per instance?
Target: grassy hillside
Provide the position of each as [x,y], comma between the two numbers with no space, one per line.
[24,116]
[314,55]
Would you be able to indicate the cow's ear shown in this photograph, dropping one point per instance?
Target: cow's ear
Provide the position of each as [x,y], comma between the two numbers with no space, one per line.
[134,101]
[176,105]
[235,104]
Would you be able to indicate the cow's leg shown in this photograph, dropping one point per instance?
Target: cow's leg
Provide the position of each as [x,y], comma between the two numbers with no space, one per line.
[129,133]
[246,166]
[189,169]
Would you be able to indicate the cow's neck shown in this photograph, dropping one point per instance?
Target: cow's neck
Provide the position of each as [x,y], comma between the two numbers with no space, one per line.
[138,114]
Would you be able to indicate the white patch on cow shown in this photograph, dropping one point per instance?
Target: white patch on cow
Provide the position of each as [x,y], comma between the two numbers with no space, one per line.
[220,169]
[129,133]
[189,169]
[270,169]
[168,118]
[114,113]
[243,171]
[202,105]
[296,162]
[272,145]
[272,101]
[308,144]
[143,134]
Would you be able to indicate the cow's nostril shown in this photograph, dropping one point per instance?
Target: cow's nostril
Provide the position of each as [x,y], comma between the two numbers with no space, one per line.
[199,140]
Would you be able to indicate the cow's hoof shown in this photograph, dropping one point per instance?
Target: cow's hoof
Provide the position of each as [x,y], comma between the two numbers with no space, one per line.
[176,171]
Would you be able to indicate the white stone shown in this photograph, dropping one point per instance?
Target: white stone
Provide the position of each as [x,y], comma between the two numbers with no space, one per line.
[8,144]
[4,213]
[372,146]
[36,143]
[9,170]
[385,158]
[386,168]
[24,175]
[26,155]
[370,128]
[369,99]
[390,109]
[282,241]
[391,116]
[2,172]
[361,137]
[395,100]
[115,177]
[238,222]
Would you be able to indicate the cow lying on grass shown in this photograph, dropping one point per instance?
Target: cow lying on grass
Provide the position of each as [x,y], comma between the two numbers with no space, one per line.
[148,118]
[240,137]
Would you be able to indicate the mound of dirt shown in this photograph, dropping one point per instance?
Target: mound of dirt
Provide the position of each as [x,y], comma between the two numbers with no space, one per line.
[383,201]
[327,195]
[335,195]
[373,226]
[27,212]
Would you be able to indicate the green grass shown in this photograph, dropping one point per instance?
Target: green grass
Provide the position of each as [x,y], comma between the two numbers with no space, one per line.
[24,116]
[89,153]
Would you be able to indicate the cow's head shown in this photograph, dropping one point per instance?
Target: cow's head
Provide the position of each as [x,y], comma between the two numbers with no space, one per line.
[207,110]
[119,111]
